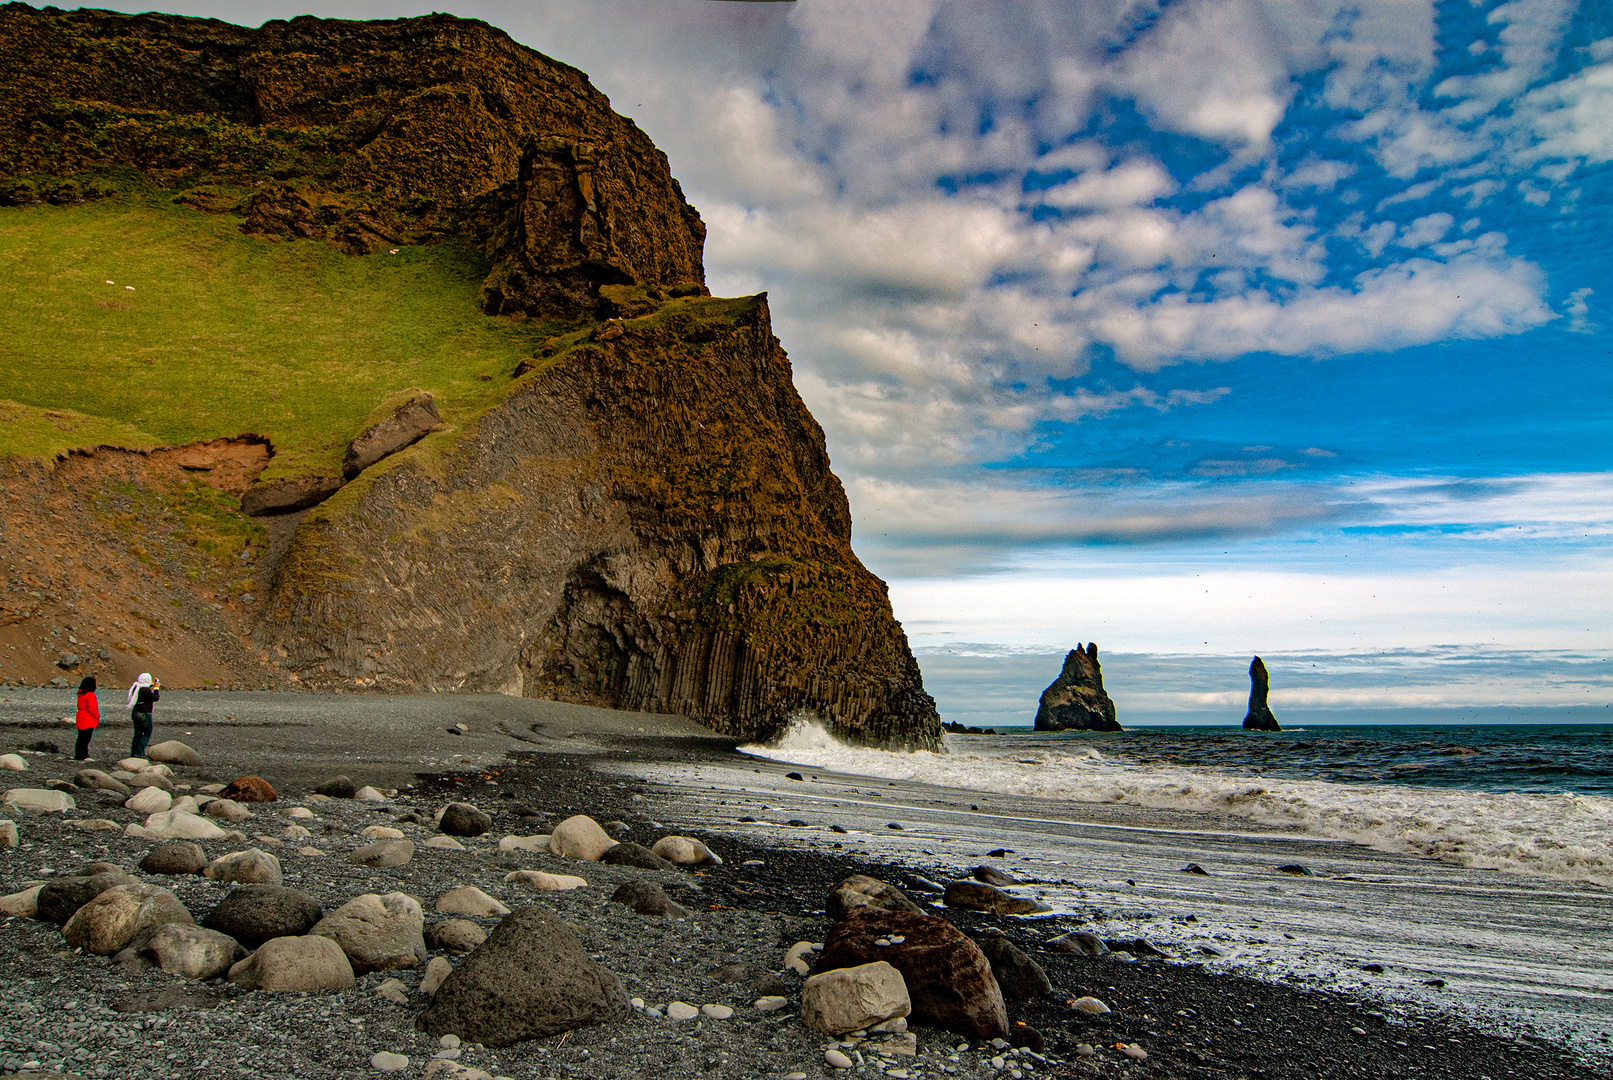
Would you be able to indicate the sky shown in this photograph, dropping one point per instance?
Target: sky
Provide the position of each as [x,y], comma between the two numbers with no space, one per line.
[1199,329]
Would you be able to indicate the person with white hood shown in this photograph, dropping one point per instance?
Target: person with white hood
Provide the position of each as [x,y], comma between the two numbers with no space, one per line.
[142,696]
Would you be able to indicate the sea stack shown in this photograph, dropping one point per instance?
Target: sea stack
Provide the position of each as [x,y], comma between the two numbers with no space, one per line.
[1076,701]
[1260,717]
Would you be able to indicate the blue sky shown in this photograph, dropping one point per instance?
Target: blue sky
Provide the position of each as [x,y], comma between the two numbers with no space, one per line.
[1197,328]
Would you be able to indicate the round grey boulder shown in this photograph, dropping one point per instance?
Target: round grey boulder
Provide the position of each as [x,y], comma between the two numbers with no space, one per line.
[454,935]
[628,853]
[59,900]
[179,857]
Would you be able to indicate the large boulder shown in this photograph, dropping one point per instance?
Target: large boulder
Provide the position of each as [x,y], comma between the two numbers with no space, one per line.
[1020,977]
[685,851]
[1076,700]
[226,810]
[96,780]
[546,882]
[409,423]
[250,867]
[382,853]
[647,898]
[178,825]
[59,900]
[179,857]
[860,890]
[976,896]
[337,787]
[628,853]
[469,900]
[854,998]
[454,935]
[948,978]
[296,965]
[580,837]
[191,951]
[378,933]
[530,979]
[113,920]
[1259,717]
[249,789]
[173,752]
[149,800]
[148,778]
[24,904]
[38,800]
[463,819]
[288,494]
[254,914]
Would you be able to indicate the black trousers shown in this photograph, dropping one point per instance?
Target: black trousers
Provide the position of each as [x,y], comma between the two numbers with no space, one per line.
[82,751]
[142,733]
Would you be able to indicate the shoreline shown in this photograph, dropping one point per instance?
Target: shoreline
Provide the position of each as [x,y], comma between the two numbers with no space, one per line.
[677,777]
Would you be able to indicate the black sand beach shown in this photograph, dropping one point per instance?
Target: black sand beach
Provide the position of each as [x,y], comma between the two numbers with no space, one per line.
[532,764]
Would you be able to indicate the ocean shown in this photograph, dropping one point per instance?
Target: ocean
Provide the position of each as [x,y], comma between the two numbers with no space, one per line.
[1536,800]
[1466,868]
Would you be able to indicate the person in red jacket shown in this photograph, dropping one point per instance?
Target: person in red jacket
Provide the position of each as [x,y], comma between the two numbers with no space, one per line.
[89,717]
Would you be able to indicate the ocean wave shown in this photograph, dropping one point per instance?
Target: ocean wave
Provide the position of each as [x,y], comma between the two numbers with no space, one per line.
[1563,836]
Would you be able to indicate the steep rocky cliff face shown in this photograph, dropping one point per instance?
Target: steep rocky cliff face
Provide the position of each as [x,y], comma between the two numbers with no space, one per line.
[366,134]
[647,521]
[645,518]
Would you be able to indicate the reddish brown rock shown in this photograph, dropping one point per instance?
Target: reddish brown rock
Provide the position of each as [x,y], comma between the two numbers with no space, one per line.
[948,978]
[249,789]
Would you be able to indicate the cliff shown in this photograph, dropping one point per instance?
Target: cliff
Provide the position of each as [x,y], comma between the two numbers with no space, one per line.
[619,500]
[1076,700]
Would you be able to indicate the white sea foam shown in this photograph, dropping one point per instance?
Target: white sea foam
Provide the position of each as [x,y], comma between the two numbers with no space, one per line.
[1556,835]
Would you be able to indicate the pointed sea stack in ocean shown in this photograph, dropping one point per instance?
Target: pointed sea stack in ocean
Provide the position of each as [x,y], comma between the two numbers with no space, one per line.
[1076,701]
[1260,717]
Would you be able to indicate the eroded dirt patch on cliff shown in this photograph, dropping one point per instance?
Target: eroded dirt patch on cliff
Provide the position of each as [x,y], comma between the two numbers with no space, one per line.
[117,562]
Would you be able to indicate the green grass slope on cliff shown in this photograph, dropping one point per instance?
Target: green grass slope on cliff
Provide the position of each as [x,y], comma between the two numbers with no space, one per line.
[134,320]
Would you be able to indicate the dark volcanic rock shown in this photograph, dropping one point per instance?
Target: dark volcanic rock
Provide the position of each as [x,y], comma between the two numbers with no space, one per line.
[408,424]
[1020,977]
[179,857]
[1259,717]
[974,896]
[531,978]
[1076,699]
[463,819]
[948,978]
[284,496]
[59,900]
[253,914]
[647,898]
[860,890]
[628,853]
[339,787]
